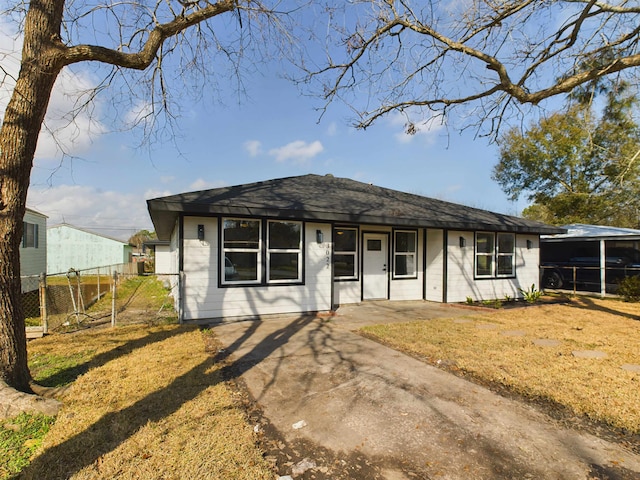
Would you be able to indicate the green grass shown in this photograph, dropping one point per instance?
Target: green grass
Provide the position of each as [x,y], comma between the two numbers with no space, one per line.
[153,403]
[52,370]
[20,437]
[33,321]
[59,360]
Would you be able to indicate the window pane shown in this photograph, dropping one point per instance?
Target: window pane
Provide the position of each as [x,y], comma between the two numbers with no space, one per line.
[284,235]
[405,265]
[506,243]
[240,233]
[484,243]
[29,234]
[505,265]
[241,266]
[283,266]
[405,241]
[484,265]
[345,239]
[374,245]
[344,265]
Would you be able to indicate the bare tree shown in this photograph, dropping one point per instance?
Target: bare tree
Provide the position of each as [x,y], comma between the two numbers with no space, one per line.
[184,37]
[487,58]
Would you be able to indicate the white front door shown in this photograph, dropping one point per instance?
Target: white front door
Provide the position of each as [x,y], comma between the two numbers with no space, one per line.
[375,284]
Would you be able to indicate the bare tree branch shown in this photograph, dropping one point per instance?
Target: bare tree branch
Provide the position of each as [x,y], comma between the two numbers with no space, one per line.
[446,54]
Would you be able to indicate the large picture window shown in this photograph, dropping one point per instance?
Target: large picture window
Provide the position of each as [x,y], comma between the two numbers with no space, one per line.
[495,254]
[241,242]
[284,251]
[404,254]
[345,253]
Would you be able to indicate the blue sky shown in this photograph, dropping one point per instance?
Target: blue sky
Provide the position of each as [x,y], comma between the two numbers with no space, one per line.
[272,132]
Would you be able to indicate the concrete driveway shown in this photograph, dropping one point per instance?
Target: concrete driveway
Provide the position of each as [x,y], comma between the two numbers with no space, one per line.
[376,413]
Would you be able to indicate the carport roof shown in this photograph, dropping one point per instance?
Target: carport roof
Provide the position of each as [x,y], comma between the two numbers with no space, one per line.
[579,231]
[331,199]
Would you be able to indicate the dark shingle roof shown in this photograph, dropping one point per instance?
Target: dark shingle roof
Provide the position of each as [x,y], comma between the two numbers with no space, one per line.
[327,198]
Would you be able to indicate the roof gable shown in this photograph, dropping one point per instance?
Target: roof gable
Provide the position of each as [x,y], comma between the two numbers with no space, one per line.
[87,233]
[328,198]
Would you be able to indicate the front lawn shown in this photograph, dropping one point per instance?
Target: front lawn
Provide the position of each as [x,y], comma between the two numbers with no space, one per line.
[503,349]
[138,402]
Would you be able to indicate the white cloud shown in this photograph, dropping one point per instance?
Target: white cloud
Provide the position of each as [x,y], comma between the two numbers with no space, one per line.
[254,147]
[111,213]
[202,184]
[298,152]
[332,129]
[63,130]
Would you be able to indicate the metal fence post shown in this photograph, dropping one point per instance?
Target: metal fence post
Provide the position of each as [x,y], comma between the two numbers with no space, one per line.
[113,299]
[44,316]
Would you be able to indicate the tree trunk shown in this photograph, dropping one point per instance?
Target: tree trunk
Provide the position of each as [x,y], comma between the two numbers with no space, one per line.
[41,63]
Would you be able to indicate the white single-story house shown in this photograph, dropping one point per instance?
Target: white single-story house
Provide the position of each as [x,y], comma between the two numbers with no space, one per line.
[33,249]
[80,249]
[311,243]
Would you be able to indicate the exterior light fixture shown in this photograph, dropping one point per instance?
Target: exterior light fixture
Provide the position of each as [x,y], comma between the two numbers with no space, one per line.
[463,242]
[201,232]
[529,244]
[319,236]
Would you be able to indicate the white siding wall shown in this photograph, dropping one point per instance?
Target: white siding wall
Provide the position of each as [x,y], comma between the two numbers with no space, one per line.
[204,299]
[33,261]
[174,266]
[460,274]
[435,265]
[346,292]
[163,262]
[174,249]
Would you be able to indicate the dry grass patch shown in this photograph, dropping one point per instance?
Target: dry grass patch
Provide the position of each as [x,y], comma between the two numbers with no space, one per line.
[152,404]
[597,388]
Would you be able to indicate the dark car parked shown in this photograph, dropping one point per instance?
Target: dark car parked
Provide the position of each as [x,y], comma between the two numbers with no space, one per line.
[582,270]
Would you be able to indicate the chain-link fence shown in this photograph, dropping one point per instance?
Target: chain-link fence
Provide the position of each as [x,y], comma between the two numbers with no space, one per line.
[113,295]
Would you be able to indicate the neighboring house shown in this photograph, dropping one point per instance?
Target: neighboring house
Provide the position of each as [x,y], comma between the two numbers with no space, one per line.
[311,243]
[33,249]
[161,256]
[576,258]
[72,247]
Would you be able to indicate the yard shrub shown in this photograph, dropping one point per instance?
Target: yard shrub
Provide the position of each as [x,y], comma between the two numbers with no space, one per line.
[629,289]
[531,295]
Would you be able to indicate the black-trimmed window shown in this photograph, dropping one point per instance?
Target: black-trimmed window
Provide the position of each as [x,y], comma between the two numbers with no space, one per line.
[495,254]
[405,258]
[284,251]
[241,245]
[30,235]
[345,253]
[251,257]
